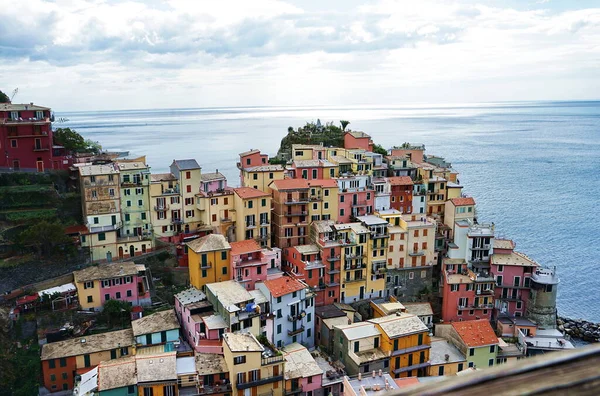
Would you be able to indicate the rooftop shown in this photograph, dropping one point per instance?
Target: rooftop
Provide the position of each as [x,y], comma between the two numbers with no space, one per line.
[503,244]
[159,367]
[336,321]
[214,322]
[190,296]
[210,363]
[475,333]
[96,170]
[209,243]
[206,177]
[323,225]
[105,271]
[136,165]
[359,330]
[242,342]
[186,365]
[400,181]
[155,323]
[244,247]
[249,192]
[230,293]
[284,285]
[387,212]
[370,220]
[400,325]
[419,309]
[259,297]
[340,159]
[265,168]
[372,386]
[331,375]
[21,106]
[463,201]
[358,134]
[325,183]
[186,164]
[299,363]
[307,249]
[356,227]
[290,184]
[513,258]
[313,163]
[158,177]
[390,307]
[251,151]
[116,373]
[440,348]
[329,311]
[87,344]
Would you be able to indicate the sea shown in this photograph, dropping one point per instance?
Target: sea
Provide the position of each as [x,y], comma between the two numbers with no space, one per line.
[532,167]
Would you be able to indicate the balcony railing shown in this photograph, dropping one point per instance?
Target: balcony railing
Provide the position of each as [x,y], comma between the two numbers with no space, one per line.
[105,228]
[206,265]
[131,183]
[297,331]
[300,200]
[378,270]
[332,283]
[293,391]
[40,148]
[271,360]
[354,280]
[333,258]
[250,225]
[333,271]
[177,221]
[210,389]
[416,253]
[161,208]
[262,381]
[296,213]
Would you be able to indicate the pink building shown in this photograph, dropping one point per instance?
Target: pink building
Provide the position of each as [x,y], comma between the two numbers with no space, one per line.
[213,182]
[314,169]
[358,140]
[248,264]
[513,272]
[130,286]
[302,373]
[201,328]
[355,203]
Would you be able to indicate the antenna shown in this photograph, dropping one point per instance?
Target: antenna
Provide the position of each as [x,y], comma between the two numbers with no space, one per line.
[14,92]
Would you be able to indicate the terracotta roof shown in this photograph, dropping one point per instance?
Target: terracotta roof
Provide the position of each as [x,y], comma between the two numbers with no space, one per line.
[156,177]
[209,243]
[462,201]
[400,181]
[246,246]
[282,286]
[476,333]
[249,192]
[75,229]
[326,183]
[290,184]
[253,151]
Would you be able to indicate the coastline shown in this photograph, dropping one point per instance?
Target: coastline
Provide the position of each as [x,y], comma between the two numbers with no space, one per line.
[579,329]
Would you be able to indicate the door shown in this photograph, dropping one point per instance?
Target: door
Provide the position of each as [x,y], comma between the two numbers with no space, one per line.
[40,166]
[120,252]
[113,219]
[108,256]
[144,248]
[362,292]
[16,165]
[131,251]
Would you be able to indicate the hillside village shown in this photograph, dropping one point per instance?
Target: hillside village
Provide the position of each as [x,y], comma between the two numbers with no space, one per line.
[337,270]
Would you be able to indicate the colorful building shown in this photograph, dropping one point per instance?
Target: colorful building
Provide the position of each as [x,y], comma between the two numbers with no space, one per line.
[358,140]
[302,373]
[157,374]
[125,281]
[477,341]
[256,172]
[199,326]
[358,347]
[26,138]
[248,263]
[252,209]
[208,260]
[62,360]
[401,193]
[237,306]
[255,369]
[160,328]
[293,308]
[445,358]
[324,235]
[327,317]
[354,238]
[290,218]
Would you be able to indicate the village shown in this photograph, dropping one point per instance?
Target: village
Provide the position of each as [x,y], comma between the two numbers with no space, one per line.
[328,271]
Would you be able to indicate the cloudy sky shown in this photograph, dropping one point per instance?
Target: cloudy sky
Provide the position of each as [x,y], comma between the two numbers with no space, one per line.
[105,54]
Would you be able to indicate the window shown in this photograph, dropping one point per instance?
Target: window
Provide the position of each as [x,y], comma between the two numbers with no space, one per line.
[491,362]
[500,268]
[118,295]
[441,370]
[270,175]
[140,202]
[63,362]
[263,202]
[420,341]
[517,281]
[148,392]
[129,293]
[250,204]
[88,285]
[101,236]
[223,255]
[460,366]
[52,377]
[188,189]
[356,346]
[106,297]
[90,299]
[130,389]
[239,359]
[492,348]
[278,300]
[376,342]
[278,329]
[52,364]
[454,288]
[471,351]
[13,143]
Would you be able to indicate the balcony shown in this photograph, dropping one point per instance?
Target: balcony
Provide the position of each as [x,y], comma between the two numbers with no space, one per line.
[482,247]
[161,208]
[333,258]
[24,120]
[293,391]
[410,368]
[416,253]
[226,220]
[250,226]
[354,280]
[379,235]
[133,183]
[412,349]
[206,265]
[352,256]
[297,331]
[485,292]
[296,213]
[262,381]
[355,266]
[378,270]
[40,148]
[332,284]
[271,360]
[313,264]
[314,198]
[360,204]
[112,227]
[293,318]
[177,221]
[302,199]
[333,271]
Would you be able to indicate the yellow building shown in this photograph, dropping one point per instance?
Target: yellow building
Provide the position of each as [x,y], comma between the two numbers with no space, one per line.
[157,374]
[217,211]
[164,204]
[376,255]
[323,197]
[354,238]
[101,203]
[445,358]
[406,340]
[188,173]
[251,373]
[256,172]
[208,259]
[420,240]
[252,210]
[397,251]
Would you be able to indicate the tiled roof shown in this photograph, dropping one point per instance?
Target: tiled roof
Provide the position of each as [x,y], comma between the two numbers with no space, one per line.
[105,271]
[157,177]
[209,243]
[282,286]
[249,192]
[463,201]
[159,367]
[253,151]
[503,244]
[155,323]
[21,106]
[329,311]
[87,344]
[475,333]
[399,326]
[358,134]
[290,184]
[299,362]
[116,373]
[96,170]
[325,183]
[205,177]
[400,181]
[513,258]
[419,309]
[186,164]
[242,247]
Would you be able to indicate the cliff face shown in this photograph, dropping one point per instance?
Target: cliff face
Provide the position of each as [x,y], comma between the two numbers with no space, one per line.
[312,133]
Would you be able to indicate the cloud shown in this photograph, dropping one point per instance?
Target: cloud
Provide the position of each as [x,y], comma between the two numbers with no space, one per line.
[248,52]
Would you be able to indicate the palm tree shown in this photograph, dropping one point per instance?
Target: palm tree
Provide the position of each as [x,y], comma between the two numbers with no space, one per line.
[290,129]
[344,124]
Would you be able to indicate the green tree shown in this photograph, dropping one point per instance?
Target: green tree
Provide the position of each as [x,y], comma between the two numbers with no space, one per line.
[93,146]
[46,238]
[70,139]
[377,148]
[4,98]
[116,312]
[344,124]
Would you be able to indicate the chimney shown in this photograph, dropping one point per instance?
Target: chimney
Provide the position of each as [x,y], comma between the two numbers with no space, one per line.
[380,372]
[359,376]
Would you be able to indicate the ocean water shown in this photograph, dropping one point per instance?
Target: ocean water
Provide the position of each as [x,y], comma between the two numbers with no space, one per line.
[532,167]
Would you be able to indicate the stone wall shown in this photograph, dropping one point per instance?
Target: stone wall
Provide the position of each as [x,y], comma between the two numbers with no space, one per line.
[578,328]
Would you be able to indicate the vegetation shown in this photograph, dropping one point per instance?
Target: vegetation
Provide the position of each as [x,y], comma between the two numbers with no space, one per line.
[377,148]
[4,98]
[47,238]
[344,124]
[73,141]
[116,313]
[311,133]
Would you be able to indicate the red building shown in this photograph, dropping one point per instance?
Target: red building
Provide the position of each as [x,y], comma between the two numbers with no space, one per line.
[358,140]
[59,373]
[355,203]
[248,264]
[290,212]
[401,188]
[466,295]
[26,138]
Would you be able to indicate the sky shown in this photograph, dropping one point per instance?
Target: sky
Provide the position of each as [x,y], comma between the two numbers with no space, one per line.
[111,55]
